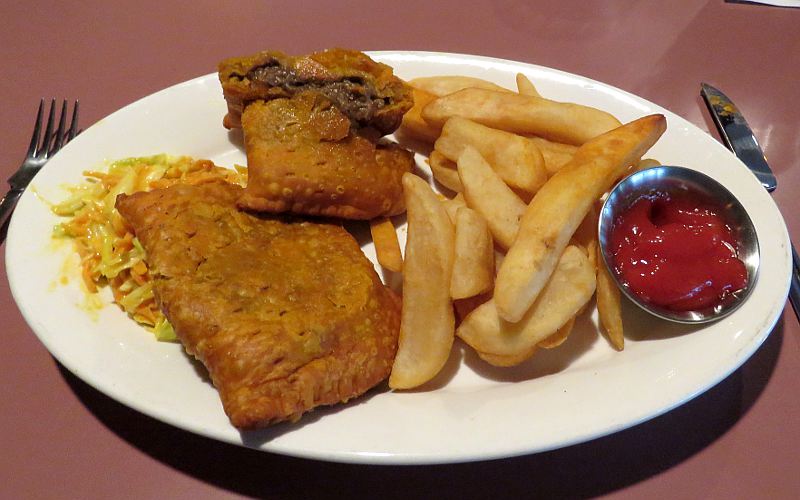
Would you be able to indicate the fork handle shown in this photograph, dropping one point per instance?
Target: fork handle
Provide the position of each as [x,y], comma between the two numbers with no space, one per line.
[7,205]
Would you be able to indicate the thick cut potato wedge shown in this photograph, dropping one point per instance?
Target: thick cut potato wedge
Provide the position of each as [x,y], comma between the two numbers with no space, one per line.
[585,234]
[558,208]
[569,288]
[526,87]
[516,160]
[447,84]
[451,206]
[647,163]
[555,154]
[413,124]
[513,360]
[591,249]
[473,267]
[559,337]
[487,194]
[522,114]
[387,247]
[465,306]
[609,305]
[445,171]
[427,320]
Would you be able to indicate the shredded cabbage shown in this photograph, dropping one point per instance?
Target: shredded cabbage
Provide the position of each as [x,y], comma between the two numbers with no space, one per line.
[110,253]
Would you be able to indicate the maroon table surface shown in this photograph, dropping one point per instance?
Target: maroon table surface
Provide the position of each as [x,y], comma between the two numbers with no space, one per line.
[62,439]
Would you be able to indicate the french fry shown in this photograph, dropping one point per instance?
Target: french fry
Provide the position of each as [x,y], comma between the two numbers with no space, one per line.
[517,160]
[591,250]
[586,236]
[609,306]
[451,206]
[559,337]
[487,194]
[443,85]
[413,124]
[522,114]
[473,266]
[465,306]
[387,247]
[553,215]
[569,288]
[526,87]
[555,154]
[647,163]
[445,171]
[586,232]
[483,137]
[512,360]
[427,319]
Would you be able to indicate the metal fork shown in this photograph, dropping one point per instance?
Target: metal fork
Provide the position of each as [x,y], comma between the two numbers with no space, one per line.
[41,149]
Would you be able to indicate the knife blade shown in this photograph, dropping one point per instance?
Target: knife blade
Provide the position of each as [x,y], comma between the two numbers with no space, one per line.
[738,136]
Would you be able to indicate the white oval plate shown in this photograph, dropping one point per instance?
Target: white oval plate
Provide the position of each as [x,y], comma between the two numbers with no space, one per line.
[580,391]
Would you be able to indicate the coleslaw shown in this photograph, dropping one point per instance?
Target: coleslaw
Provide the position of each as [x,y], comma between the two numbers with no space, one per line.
[110,254]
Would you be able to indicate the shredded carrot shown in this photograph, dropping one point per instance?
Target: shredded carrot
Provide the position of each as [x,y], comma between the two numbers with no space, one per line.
[87,277]
[139,269]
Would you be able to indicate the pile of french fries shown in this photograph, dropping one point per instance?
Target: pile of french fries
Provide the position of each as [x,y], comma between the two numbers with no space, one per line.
[513,254]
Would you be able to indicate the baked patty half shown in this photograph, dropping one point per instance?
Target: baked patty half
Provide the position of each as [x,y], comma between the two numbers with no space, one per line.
[285,315]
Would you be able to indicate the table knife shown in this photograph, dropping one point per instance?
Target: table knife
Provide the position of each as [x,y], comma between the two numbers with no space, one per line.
[739,138]
[737,135]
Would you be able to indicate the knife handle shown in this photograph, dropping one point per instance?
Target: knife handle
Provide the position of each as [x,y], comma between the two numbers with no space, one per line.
[794,287]
[7,205]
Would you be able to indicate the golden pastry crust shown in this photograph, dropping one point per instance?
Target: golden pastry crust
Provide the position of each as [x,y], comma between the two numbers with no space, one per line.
[304,157]
[364,90]
[285,316]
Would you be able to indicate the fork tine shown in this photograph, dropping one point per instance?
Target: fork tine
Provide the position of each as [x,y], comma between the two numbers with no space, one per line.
[73,127]
[59,138]
[48,131]
[36,129]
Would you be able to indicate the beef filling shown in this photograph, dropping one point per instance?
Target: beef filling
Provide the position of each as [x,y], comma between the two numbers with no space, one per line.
[354,97]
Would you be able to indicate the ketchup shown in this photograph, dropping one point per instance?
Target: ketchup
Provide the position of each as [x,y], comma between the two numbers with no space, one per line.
[675,251]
